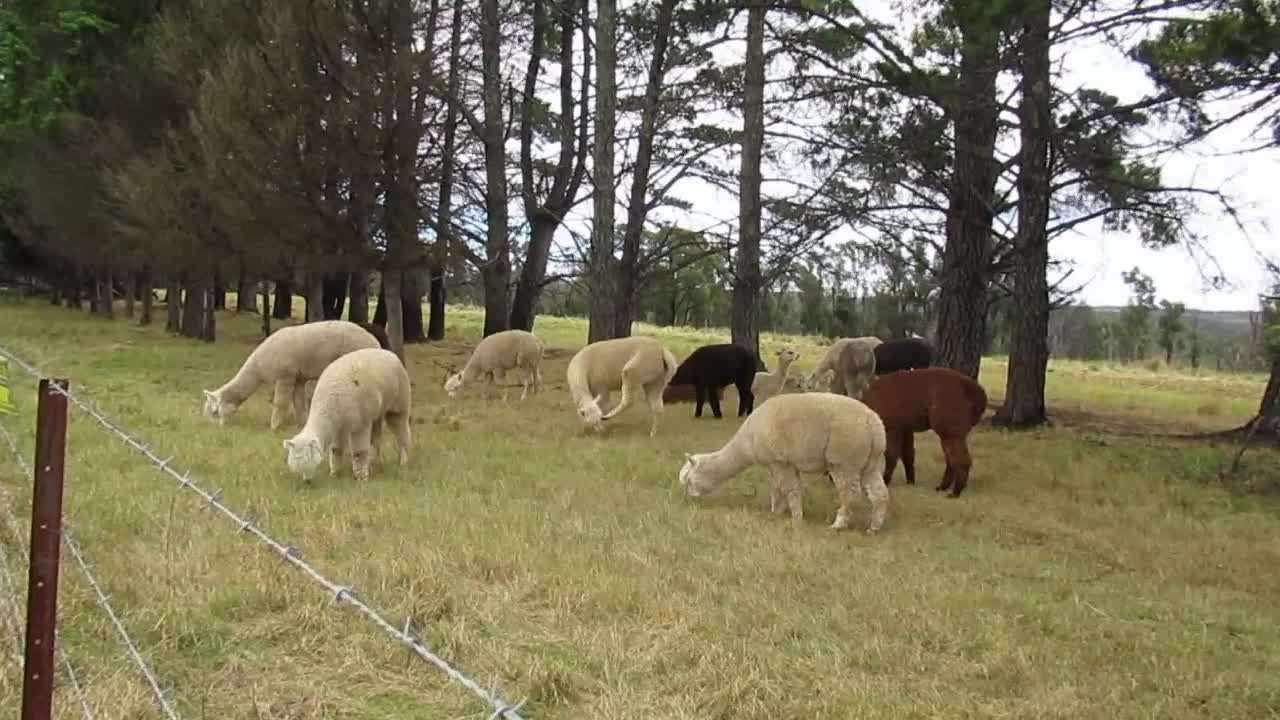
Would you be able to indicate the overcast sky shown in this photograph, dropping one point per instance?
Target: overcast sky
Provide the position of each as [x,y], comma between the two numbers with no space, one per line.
[1100,257]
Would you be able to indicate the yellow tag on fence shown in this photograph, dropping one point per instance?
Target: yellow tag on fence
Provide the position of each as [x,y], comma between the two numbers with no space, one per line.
[6,395]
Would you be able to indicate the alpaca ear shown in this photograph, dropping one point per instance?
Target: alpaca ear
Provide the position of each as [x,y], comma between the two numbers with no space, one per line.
[288,444]
[209,394]
[688,457]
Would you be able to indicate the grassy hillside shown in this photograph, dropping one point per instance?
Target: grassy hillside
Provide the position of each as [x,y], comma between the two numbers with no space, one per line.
[1083,574]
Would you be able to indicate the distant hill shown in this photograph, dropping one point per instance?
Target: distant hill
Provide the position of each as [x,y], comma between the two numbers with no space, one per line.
[1211,322]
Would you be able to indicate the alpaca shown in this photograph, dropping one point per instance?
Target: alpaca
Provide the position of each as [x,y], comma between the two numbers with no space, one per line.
[638,365]
[826,375]
[910,353]
[712,367]
[768,384]
[354,396]
[495,355]
[810,433]
[288,358]
[939,399]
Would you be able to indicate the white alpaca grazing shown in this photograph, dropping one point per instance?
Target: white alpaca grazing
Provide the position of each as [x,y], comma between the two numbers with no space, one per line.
[858,368]
[288,359]
[767,384]
[808,433]
[494,356]
[355,395]
[639,366]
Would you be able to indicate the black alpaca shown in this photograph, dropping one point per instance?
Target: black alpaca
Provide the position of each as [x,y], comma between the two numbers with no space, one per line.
[712,367]
[902,354]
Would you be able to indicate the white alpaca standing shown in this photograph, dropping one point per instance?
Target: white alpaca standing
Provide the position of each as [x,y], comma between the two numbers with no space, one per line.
[808,433]
[288,359]
[639,366]
[494,356]
[354,396]
[768,384]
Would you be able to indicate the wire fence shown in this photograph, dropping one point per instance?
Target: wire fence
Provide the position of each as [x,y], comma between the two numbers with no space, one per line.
[14,530]
[340,593]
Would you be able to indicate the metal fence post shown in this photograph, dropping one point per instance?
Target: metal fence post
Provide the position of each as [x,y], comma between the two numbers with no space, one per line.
[46,536]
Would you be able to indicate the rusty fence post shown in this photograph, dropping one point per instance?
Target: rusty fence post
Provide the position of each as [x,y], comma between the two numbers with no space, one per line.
[46,538]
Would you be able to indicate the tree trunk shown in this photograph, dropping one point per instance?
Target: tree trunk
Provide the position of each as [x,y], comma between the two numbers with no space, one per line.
[219,292]
[962,303]
[130,293]
[266,308]
[744,323]
[334,291]
[173,304]
[358,304]
[601,317]
[391,296]
[496,271]
[411,307]
[380,310]
[193,307]
[637,210]
[103,300]
[1269,407]
[444,211]
[148,299]
[315,297]
[283,309]
[246,292]
[546,215]
[1024,402]
[208,324]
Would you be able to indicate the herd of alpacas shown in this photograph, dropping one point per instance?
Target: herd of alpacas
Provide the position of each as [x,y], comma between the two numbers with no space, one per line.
[851,419]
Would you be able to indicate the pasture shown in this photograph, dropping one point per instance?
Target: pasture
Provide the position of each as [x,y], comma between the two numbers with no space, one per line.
[1085,573]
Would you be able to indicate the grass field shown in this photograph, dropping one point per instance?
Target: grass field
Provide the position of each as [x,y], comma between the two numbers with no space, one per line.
[1085,573]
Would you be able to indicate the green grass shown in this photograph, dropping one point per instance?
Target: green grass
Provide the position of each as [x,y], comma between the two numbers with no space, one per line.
[1082,574]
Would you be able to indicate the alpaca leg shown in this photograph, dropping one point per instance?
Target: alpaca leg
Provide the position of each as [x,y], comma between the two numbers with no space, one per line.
[701,392]
[375,438]
[892,451]
[788,481]
[909,457]
[360,453]
[500,377]
[281,403]
[400,425]
[956,451]
[714,393]
[653,393]
[746,399]
[336,453]
[300,405]
[845,481]
[873,486]
[526,379]
[629,391]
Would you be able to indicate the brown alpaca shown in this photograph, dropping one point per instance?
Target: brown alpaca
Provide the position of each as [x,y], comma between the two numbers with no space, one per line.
[939,399]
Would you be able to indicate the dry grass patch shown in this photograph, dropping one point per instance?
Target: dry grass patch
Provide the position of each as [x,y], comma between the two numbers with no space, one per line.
[1073,579]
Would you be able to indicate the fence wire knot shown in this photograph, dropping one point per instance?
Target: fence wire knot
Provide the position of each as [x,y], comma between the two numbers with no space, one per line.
[501,712]
[343,591]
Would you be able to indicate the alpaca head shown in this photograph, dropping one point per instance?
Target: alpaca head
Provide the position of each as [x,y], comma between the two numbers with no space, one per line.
[217,409]
[305,455]
[820,382]
[590,414]
[452,384]
[695,482]
[787,355]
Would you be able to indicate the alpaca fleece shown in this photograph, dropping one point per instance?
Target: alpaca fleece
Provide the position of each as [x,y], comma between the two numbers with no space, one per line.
[947,402]
[713,367]
[288,358]
[821,433]
[638,365]
[902,354]
[354,396]
[495,355]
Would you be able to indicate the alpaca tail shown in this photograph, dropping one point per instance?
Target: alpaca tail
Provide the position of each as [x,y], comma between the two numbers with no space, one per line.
[977,400]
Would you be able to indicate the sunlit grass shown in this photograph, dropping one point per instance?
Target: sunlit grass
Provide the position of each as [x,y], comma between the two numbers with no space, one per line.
[1081,575]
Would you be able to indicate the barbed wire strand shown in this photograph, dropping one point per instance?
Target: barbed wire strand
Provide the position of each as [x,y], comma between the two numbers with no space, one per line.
[15,532]
[502,709]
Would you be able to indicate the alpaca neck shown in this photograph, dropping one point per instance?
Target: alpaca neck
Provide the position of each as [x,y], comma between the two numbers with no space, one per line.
[319,426]
[784,364]
[579,388]
[241,386]
[724,463]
